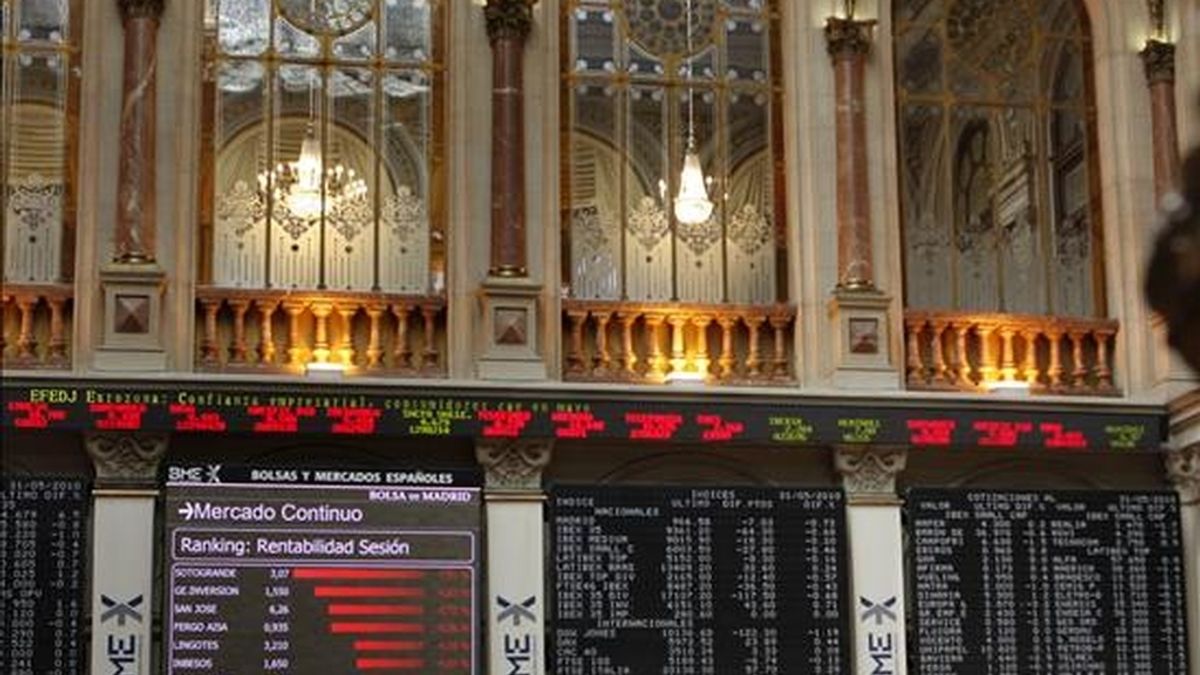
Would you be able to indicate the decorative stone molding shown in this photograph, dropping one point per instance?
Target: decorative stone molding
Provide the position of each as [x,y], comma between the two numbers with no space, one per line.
[141,9]
[1158,59]
[869,472]
[514,465]
[1183,469]
[508,19]
[126,460]
[848,37]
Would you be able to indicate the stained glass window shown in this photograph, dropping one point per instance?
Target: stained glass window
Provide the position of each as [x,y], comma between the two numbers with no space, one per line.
[324,138]
[998,164]
[39,95]
[655,90]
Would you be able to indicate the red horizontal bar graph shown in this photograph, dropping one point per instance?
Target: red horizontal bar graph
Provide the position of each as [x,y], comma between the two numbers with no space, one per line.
[380,664]
[388,645]
[375,610]
[368,592]
[341,627]
[354,573]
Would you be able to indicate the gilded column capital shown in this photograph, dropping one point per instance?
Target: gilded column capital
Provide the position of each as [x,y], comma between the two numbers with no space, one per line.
[508,19]
[514,465]
[1183,470]
[141,9]
[846,38]
[126,460]
[869,474]
[1158,59]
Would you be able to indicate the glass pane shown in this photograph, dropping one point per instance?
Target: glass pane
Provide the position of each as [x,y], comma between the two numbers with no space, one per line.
[4,12]
[240,99]
[406,30]
[43,21]
[357,46]
[242,157]
[746,47]
[647,177]
[596,213]
[407,200]
[349,164]
[594,37]
[291,41]
[1061,17]
[920,60]
[642,63]
[243,26]
[407,130]
[1063,72]
[924,203]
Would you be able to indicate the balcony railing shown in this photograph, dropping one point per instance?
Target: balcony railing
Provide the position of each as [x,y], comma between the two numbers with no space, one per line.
[659,342]
[35,322]
[971,352]
[359,333]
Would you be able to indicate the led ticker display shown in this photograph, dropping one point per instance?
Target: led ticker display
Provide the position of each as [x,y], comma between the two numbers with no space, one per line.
[321,571]
[640,417]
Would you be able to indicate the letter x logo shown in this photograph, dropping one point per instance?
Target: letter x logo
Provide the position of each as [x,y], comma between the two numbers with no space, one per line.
[120,610]
[878,610]
[514,611]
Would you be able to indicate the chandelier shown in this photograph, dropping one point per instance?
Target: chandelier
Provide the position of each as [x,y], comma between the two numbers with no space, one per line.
[692,205]
[303,192]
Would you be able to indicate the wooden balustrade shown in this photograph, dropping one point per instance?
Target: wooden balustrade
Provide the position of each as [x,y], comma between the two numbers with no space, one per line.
[365,333]
[967,351]
[35,324]
[650,342]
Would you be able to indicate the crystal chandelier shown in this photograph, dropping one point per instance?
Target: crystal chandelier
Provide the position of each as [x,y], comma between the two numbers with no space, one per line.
[296,187]
[692,205]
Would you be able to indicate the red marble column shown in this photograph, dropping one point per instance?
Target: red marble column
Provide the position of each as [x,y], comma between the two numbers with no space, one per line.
[508,25]
[849,43]
[1158,57]
[135,179]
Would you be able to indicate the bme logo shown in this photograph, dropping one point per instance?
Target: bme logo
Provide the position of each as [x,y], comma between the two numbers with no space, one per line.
[121,648]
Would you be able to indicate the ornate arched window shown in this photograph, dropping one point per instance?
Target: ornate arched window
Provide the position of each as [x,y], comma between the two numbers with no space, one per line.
[39,100]
[998,176]
[649,85]
[323,146]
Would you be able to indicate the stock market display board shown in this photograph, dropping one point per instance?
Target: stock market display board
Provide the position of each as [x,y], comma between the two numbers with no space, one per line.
[311,572]
[42,557]
[1046,582]
[678,581]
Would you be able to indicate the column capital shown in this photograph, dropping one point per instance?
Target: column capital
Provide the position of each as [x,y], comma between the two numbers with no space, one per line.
[1158,59]
[141,9]
[126,460]
[514,465]
[1183,470]
[508,19]
[848,37]
[869,474]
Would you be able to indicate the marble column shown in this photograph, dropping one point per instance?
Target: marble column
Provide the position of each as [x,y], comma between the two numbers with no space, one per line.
[508,26]
[1158,58]
[849,44]
[123,538]
[515,558]
[876,557]
[1183,469]
[135,174]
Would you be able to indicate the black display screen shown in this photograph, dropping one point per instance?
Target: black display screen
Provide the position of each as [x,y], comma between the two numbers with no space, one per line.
[42,555]
[311,572]
[1046,582]
[679,580]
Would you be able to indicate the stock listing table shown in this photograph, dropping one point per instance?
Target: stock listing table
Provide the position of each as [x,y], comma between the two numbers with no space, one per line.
[317,572]
[1046,582]
[670,581]
[41,564]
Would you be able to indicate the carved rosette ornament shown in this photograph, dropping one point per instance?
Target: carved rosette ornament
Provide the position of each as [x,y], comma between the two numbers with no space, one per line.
[508,19]
[141,9]
[870,472]
[1158,59]
[514,465]
[126,460]
[846,38]
[1183,470]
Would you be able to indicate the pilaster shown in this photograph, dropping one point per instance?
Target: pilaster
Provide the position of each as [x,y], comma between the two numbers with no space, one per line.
[514,499]
[876,557]
[1158,59]
[125,490]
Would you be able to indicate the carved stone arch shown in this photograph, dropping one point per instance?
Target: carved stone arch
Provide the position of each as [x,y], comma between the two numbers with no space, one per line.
[685,467]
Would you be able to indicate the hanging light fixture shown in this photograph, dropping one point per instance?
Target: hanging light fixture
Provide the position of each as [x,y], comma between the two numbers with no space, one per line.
[692,205]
